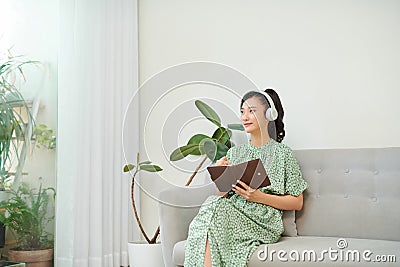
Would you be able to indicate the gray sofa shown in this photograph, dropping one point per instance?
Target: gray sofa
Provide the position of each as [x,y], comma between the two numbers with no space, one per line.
[350,214]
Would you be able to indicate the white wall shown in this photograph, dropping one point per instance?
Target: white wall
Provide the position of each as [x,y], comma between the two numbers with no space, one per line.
[334,63]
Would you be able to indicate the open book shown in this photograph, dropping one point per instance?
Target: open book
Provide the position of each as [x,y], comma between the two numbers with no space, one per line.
[251,172]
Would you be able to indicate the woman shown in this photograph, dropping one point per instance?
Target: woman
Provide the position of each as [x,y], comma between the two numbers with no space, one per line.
[230,226]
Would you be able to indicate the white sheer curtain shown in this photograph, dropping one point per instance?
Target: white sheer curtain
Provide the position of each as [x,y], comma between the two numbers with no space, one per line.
[97,77]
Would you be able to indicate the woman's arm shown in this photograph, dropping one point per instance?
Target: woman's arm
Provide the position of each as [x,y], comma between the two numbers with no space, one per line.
[285,202]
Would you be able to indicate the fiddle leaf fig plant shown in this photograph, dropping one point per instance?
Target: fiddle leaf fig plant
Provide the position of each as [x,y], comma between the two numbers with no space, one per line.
[212,147]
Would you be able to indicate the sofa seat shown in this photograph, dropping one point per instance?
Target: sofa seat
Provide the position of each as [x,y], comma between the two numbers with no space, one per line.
[305,246]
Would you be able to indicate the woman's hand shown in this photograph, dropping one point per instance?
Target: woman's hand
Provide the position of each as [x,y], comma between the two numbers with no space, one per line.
[219,193]
[282,202]
[248,193]
[222,161]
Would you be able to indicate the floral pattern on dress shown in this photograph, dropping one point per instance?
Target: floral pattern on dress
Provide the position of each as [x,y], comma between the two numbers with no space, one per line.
[235,227]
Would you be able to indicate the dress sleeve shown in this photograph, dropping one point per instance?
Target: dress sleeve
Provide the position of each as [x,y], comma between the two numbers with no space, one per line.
[229,154]
[294,182]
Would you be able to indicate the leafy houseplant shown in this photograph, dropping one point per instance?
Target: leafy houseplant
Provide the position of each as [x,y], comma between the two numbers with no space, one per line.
[13,108]
[141,166]
[22,210]
[45,137]
[213,147]
[26,214]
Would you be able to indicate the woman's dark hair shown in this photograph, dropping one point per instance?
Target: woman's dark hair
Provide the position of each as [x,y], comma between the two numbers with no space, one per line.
[276,130]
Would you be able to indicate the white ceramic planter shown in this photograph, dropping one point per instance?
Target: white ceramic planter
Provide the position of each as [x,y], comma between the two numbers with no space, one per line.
[142,254]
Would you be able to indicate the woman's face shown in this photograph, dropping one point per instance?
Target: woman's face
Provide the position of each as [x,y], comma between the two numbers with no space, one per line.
[253,115]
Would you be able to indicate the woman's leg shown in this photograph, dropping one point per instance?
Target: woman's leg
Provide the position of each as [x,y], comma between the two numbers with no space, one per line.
[207,255]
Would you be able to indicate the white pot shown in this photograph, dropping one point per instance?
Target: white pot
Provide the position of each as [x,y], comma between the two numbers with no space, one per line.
[142,254]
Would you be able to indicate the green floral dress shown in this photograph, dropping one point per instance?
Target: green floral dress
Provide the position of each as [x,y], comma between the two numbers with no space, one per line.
[235,227]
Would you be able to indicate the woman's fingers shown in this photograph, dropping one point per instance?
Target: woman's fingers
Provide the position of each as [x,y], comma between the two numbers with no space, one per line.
[222,161]
[246,192]
[239,190]
[218,162]
[245,186]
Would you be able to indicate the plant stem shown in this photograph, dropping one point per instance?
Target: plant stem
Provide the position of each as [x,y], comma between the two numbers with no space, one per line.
[195,171]
[135,211]
[153,240]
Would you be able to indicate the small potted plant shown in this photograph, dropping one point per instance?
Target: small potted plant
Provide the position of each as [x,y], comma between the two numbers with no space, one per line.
[149,251]
[26,213]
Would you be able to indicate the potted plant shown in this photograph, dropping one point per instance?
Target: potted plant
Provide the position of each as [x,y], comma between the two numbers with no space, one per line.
[213,147]
[152,249]
[26,213]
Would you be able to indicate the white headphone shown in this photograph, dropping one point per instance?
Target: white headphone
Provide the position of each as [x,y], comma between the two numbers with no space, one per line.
[271,113]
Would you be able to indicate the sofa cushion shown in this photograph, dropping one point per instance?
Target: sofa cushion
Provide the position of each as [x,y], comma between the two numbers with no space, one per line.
[178,254]
[289,224]
[352,192]
[305,246]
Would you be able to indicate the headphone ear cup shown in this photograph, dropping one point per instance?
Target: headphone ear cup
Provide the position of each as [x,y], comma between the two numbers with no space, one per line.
[271,114]
[268,114]
[274,114]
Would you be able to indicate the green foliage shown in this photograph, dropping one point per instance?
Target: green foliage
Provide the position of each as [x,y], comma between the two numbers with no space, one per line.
[215,146]
[26,214]
[141,166]
[208,112]
[236,126]
[45,137]
[12,108]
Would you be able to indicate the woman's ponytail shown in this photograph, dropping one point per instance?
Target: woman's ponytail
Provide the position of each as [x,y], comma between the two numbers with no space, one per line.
[279,125]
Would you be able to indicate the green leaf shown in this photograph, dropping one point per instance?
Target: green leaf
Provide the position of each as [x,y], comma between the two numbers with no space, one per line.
[215,151]
[208,112]
[150,168]
[222,135]
[236,126]
[144,162]
[221,151]
[182,152]
[197,139]
[230,144]
[129,167]
[210,149]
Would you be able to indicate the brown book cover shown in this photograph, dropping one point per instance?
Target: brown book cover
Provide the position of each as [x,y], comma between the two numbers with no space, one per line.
[251,172]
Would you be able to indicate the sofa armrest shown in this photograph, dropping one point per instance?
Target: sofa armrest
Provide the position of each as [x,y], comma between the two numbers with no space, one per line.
[177,208]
